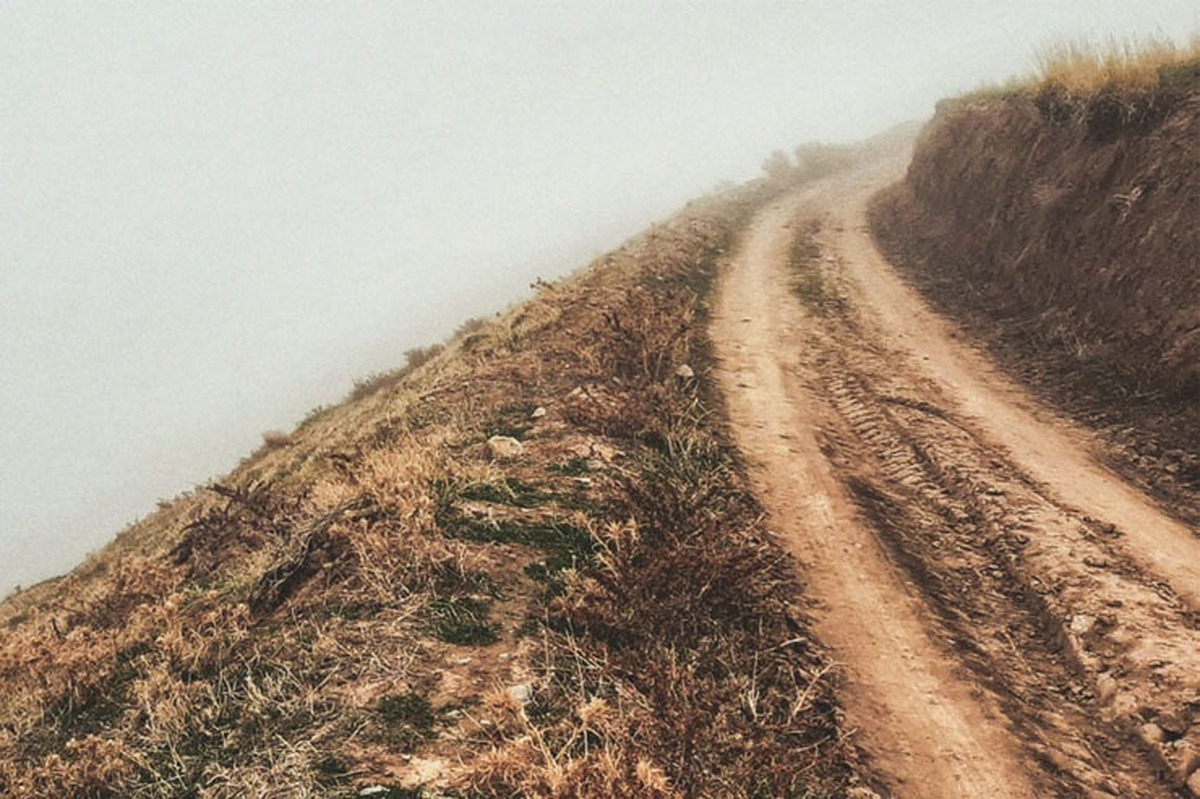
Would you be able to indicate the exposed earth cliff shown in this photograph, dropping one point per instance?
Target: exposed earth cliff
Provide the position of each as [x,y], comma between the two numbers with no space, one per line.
[1065,229]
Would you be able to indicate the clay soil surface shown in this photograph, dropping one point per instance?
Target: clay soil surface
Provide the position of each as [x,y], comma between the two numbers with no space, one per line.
[1010,618]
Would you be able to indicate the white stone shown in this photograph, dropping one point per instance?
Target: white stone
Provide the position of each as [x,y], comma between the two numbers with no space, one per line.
[520,693]
[1081,624]
[504,447]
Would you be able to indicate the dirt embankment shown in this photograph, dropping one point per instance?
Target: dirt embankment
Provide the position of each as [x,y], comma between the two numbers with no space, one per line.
[1066,232]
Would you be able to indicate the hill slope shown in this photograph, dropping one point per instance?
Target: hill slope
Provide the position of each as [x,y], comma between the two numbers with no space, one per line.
[529,567]
[535,562]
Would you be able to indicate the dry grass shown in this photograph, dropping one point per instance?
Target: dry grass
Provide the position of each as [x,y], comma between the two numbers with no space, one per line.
[1107,89]
[354,608]
[1081,66]
[1117,80]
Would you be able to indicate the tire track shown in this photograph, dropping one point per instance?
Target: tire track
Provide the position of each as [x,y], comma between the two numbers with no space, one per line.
[928,730]
[1065,665]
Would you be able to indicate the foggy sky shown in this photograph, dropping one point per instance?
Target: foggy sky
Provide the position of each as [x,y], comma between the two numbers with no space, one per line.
[214,217]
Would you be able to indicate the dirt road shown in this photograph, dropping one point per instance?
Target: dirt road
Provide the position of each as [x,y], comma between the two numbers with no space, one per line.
[1011,618]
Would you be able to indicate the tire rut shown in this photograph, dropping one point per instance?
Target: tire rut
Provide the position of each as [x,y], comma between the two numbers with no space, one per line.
[1088,655]
[928,730]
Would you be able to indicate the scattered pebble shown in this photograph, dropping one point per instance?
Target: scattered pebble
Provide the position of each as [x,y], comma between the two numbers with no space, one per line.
[520,693]
[504,447]
[1151,733]
[1081,624]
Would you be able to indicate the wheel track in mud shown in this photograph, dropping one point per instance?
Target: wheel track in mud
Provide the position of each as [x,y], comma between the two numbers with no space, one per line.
[960,538]
[1091,658]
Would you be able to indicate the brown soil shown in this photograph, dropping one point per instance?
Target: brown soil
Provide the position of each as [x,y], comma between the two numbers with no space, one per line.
[1011,618]
[1068,242]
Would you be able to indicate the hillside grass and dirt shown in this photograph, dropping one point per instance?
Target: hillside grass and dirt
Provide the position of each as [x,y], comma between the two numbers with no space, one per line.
[525,564]
[739,511]
[1058,218]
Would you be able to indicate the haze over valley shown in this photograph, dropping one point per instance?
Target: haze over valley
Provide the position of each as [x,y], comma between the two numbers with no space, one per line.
[214,219]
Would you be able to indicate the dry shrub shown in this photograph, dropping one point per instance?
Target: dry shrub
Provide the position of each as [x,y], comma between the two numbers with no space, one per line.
[1083,66]
[379,381]
[276,439]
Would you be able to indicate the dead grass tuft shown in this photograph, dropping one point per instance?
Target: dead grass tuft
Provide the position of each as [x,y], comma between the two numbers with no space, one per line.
[1083,66]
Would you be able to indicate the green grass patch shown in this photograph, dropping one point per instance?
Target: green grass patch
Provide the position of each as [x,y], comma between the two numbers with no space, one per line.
[510,491]
[566,545]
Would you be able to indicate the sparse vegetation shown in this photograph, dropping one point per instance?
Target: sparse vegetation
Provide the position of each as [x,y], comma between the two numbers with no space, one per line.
[1108,87]
[813,284]
[414,359]
[363,591]
[1084,67]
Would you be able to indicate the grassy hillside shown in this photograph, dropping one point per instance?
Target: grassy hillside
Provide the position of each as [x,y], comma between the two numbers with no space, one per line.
[528,566]
[1058,219]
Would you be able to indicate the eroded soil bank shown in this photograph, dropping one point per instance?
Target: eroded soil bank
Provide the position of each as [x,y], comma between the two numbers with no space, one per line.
[1008,617]
[1066,235]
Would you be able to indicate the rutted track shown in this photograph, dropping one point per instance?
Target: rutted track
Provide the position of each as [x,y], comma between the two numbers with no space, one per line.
[1002,633]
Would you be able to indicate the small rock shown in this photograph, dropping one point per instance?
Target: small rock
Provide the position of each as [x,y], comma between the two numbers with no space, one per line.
[1105,688]
[1187,760]
[1193,784]
[1173,723]
[1081,624]
[520,693]
[1124,705]
[861,793]
[538,413]
[374,790]
[424,770]
[1151,733]
[503,447]
[684,372]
